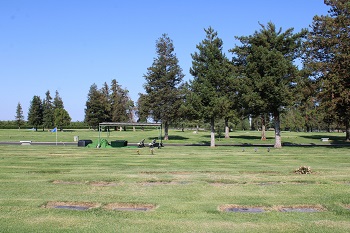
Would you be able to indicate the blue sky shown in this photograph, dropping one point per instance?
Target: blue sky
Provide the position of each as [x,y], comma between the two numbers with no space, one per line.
[67,45]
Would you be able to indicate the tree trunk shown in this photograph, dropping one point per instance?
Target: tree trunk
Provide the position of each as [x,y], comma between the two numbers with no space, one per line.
[263,128]
[307,128]
[166,130]
[278,141]
[227,129]
[347,131]
[212,132]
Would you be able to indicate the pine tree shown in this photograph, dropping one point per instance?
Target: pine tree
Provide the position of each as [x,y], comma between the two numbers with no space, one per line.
[57,101]
[62,118]
[35,113]
[142,108]
[19,116]
[119,103]
[188,113]
[48,111]
[328,57]
[105,102]
[95,111]
[162,82]
[269,74]
[92,107]
[210,69]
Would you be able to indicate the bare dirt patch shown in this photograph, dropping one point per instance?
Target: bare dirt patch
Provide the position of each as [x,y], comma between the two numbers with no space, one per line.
[129,207]
[71,205]
[300,208]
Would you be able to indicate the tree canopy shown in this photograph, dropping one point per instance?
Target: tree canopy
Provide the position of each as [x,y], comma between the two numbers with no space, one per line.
[35,113]
[210,71]
[19,115]
[162,98]
[48,111]
[269,74]
[328,58]
[62,117]
[108,104]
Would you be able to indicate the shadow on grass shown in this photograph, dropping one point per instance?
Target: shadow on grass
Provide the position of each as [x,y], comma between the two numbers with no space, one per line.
[250,137]
[246,137]
[171,137]
[176,137]
[333,139]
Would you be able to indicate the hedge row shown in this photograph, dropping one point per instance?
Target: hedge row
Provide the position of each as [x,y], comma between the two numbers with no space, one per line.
[13,125]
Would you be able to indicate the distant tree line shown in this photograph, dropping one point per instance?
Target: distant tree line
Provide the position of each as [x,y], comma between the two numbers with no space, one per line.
[47,113]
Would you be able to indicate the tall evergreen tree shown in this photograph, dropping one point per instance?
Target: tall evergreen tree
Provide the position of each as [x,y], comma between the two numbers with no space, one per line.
[328,56]
[270,75]
[162,81]
[35,113]
[92,107]
[19,115]
[142,108]
[105,102]
[57,101]
[62,118]
[188,112]
[48,111]
[119,103]
[211,75]
[95,111]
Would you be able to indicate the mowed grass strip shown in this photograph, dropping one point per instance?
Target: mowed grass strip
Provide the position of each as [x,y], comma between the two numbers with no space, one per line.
[244,138]
[186,184]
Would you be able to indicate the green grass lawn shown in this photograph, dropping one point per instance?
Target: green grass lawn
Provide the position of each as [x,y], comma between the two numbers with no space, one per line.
[175,136]
[188,186]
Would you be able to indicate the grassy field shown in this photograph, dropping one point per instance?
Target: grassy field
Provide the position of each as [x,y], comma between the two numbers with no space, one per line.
[186,188]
